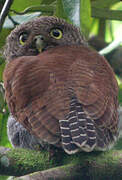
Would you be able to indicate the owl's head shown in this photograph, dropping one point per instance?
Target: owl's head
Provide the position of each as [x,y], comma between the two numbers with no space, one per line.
[39,35]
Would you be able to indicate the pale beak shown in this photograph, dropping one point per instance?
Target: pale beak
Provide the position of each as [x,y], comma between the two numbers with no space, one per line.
[40,43]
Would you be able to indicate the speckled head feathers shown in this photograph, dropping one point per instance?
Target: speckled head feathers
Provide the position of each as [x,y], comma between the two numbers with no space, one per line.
[41,26]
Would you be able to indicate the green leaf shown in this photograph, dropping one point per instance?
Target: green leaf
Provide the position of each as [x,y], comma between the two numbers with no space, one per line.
[3,130]
[3,34]
[4,177]
[85,16]
[79,13]
[60,10]
[47,1]
[20,5]
[104,3]
[120,94]
[20,19]
[72,10]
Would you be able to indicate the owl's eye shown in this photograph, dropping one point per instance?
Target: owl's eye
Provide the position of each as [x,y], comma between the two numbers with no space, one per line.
[56,33]
[23,38]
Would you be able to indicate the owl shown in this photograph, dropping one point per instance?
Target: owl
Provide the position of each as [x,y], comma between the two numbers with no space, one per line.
[60,90]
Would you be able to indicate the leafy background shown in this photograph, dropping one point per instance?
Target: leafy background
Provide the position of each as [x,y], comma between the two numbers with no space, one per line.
[101,18]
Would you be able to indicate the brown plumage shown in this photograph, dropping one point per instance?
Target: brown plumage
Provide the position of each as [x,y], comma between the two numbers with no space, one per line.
[67,94]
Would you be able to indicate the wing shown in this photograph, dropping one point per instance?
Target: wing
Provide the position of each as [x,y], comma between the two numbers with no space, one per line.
[95,87]
[94,84]
[67,93]
[26,82]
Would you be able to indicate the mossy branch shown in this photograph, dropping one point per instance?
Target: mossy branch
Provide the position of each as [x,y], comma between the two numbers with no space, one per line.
[22,161]
[90,166]
[88,170]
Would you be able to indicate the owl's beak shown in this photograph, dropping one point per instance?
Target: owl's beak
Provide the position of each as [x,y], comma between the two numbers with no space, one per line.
[40,43]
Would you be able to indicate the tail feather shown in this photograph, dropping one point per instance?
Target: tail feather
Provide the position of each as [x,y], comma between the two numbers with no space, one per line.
[67,142]
[77,130]
[78,134]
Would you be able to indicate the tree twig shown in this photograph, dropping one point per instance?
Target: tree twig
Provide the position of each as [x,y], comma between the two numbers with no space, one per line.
[4,12]
[111,47]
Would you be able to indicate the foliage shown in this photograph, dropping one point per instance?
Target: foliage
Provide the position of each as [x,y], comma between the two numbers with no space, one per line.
[120,94]
[3,177]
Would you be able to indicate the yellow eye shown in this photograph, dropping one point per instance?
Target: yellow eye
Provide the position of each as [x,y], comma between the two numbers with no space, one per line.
[56,33]
[23,38]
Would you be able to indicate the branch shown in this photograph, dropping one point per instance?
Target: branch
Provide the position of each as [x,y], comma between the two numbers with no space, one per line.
[67,172]
[90,166]
[22,161]
[88,170]
[4,12]
[111,47]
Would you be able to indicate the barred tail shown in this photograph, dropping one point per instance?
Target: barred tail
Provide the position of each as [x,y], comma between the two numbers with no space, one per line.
[77,130]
